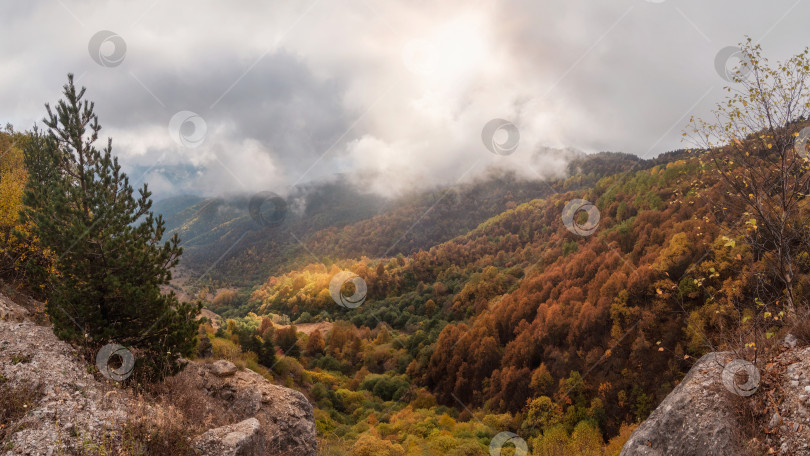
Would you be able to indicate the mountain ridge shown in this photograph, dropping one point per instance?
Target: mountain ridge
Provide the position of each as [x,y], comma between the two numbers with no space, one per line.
[219,231]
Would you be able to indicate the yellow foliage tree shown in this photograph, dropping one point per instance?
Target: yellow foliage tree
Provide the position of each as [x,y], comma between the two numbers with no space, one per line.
[18,247]
[371,445]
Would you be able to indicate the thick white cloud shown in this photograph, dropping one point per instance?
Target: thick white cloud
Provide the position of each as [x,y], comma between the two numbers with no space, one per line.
[394,93]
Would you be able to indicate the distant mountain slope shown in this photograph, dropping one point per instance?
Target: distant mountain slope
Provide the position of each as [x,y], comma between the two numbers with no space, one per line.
[219,233]
[173,206]
[336,220]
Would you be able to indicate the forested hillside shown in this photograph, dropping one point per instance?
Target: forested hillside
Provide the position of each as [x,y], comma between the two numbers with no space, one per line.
[520,318]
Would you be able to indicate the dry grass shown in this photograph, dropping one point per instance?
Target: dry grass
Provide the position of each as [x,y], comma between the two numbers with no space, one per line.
[15,402]
[802,327]
[199,410]
[146,432]
[753,413]
[749,424]
[184,411]
[162,420]
[166,433]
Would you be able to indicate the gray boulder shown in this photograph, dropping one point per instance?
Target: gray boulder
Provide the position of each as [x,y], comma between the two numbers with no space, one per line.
[240,439]
[223,368]
[696,418]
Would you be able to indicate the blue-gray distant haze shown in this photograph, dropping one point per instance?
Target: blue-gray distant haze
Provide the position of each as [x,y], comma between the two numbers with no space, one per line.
[391,94]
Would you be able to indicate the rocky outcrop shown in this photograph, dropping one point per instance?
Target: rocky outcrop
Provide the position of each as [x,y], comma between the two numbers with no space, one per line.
[73,403]
[695,418]
[286,416]
[238,439]
[73,407]
[701,416]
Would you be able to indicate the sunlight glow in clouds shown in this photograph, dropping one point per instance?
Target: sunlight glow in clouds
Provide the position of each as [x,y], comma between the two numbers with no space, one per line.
[393,94]
[452,53]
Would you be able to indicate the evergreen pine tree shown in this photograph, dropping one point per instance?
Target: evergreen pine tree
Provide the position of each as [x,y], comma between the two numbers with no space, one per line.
[287,340]
[110,260]
[267,353]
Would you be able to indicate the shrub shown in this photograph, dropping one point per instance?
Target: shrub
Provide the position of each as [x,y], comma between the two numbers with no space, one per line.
[385,387]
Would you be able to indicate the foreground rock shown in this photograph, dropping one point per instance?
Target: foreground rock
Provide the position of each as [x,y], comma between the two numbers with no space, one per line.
[695,418]
[73,403]
[72,408]
[701,416]
[235,440]
[287,423]
[222,368]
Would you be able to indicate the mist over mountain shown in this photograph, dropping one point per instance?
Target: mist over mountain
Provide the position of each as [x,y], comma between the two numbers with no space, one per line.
[334,219]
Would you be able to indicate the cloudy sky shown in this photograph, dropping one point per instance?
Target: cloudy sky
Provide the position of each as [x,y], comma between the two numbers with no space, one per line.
[214,97]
